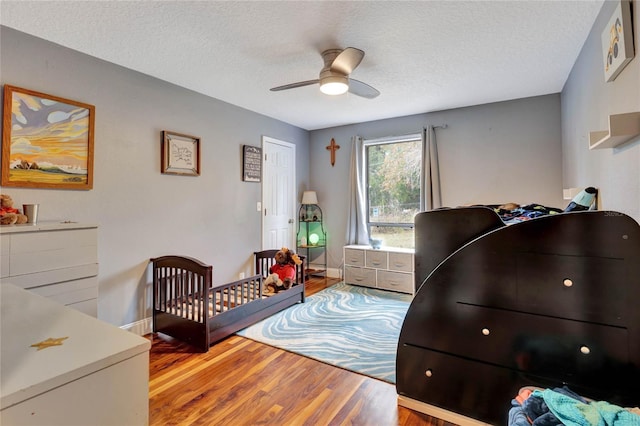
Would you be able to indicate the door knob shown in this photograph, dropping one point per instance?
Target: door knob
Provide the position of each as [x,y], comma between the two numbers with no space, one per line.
[290,220]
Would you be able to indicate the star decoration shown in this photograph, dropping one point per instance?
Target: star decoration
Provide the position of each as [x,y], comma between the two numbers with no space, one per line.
[49,342]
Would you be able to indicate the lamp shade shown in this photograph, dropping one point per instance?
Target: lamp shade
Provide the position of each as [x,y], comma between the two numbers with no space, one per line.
[309,197]
[334,85]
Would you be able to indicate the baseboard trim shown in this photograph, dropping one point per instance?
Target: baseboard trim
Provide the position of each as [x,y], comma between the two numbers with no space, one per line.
[440,413]
[334,272]
[141,328]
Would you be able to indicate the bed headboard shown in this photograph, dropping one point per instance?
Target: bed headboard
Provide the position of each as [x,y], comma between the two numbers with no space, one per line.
[441,232]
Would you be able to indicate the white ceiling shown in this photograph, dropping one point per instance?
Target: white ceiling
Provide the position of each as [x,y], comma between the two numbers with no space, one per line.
[422,55]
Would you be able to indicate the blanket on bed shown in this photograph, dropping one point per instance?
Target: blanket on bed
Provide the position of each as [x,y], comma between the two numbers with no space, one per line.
[514,213]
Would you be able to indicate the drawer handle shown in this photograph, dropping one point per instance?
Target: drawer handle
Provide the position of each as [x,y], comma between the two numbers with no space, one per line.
[567,282]
[585,349]
[428,373]
[486,331]
[376,263]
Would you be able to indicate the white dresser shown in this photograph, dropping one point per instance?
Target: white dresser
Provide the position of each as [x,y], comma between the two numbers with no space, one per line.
[53,259]
[387,268]
[98,376]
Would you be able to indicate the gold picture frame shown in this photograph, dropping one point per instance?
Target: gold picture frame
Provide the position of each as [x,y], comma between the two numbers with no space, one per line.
[47,141]
[180,154]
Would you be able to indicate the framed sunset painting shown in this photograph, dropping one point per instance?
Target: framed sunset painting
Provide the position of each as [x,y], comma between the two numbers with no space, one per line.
[47,141]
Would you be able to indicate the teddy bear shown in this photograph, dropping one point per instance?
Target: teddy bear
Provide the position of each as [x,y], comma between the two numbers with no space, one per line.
[283,273]
[8,214]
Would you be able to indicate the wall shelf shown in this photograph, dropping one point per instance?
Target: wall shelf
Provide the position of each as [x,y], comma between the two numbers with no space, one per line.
[622,128]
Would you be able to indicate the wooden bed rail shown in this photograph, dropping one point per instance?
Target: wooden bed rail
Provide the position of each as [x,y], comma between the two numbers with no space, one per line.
[237,293]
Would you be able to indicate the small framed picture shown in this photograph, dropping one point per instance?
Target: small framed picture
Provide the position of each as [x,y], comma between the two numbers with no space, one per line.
[180,154]
[251,163]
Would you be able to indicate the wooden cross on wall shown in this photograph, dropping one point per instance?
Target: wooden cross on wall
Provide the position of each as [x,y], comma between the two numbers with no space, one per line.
[333,147]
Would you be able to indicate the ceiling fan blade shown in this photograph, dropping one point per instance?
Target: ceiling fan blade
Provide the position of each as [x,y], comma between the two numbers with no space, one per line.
[294,85]
[347,60]
[362,89]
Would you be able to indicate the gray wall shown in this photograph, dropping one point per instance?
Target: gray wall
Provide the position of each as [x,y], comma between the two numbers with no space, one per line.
[141,212]
[494,153]
[587,101]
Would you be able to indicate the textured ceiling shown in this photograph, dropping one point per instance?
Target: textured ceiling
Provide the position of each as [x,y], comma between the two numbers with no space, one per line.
[422,55]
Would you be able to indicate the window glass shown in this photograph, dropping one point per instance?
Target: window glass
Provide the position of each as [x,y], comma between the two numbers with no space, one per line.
[393,171]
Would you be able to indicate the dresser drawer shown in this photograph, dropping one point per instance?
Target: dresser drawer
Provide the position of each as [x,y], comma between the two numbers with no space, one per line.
[30,242]
[44,251]
[471,388]
[569,287]
[376,259]
[70,292]
[396,281]
[402,262]
[360,276]
[353,257]
[573,351]
[53,276]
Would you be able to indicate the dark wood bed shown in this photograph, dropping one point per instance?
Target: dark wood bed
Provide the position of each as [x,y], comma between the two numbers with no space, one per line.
[188,306]
[545,302]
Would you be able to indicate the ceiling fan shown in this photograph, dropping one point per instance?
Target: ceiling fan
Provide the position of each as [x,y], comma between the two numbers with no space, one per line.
[334,76]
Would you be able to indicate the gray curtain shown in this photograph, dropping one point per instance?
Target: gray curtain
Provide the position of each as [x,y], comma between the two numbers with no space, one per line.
[431,196]
[357,232]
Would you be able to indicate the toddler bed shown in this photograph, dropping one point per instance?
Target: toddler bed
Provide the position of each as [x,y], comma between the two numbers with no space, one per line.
[547,302]
[188,306]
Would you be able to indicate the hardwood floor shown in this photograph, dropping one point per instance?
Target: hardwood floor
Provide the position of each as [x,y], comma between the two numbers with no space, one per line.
[242,382]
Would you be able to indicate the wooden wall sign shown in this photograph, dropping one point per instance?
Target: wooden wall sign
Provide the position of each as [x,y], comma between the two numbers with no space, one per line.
[251,163]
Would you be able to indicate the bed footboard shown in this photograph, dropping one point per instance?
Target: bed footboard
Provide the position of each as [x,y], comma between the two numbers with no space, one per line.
[180,288]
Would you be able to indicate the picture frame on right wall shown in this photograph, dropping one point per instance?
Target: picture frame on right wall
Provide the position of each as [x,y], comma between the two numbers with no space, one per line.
[617,41]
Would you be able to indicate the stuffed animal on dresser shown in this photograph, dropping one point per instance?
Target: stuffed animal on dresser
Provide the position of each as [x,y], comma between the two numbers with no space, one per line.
[283,274]
[8,214]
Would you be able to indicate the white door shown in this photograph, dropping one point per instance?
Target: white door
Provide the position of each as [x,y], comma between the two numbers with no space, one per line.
[278,194]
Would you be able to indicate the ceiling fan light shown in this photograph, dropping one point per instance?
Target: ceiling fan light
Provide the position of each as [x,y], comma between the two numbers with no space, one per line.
[334,85]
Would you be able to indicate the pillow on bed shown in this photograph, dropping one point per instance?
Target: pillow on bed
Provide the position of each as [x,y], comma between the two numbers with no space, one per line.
[585,200]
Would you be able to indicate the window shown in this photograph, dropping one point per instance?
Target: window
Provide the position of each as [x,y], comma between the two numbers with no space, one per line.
[393,180]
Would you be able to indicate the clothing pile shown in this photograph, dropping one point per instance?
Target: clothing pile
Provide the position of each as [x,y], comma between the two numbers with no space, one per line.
[562,406]
[514,213]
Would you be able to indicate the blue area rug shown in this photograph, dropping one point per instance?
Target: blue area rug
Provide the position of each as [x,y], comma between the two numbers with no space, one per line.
[351,327]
